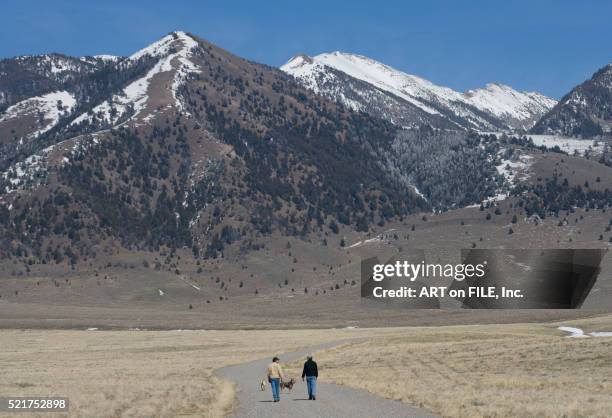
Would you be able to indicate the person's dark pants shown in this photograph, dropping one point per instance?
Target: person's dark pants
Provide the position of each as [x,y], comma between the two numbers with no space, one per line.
[275,385]
[311,382]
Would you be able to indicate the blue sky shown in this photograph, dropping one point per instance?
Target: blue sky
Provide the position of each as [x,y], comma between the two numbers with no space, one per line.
[542,45]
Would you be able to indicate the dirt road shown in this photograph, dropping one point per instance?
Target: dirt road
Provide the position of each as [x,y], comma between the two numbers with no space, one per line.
[333,401]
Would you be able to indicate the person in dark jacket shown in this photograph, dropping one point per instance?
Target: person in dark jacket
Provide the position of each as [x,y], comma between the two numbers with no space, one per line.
[311,373]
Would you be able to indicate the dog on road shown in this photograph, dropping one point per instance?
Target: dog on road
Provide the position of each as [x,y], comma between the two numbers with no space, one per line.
[283,385]
[287,385]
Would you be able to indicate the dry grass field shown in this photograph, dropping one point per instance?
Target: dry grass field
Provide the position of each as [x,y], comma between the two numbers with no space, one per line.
[522,370]
[140,373]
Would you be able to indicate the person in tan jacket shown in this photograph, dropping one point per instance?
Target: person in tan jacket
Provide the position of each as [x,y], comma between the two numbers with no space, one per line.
[275,374]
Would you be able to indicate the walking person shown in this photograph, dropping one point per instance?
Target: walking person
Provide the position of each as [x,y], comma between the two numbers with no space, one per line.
[311,373]
[275,375]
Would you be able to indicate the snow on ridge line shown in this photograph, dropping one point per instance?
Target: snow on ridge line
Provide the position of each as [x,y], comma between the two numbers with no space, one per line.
[107,57]
[307,71]
[102,57]
[135,93]
[406,86]
[186,65]
[495,99]
[163,46]
[157,48]
[502,100]
[409,87]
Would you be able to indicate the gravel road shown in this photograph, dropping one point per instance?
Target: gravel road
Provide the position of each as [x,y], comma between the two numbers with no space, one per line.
[332,400]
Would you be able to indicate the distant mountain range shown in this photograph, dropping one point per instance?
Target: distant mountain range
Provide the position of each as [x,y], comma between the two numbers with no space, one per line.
[407,100]
[183,144]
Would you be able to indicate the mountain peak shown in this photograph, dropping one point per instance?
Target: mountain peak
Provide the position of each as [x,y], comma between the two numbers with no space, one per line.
[297,61]
[492,107]
[504,87]
[163,46]
[497,86]
[583,112]
[173,63]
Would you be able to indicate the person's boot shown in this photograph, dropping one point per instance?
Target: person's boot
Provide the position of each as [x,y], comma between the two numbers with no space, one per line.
[314,398]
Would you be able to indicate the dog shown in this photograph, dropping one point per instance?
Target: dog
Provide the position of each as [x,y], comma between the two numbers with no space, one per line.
[262,385]
[287,385]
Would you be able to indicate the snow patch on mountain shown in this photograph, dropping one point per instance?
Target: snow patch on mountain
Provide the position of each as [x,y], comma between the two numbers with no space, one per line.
[515,169]
[47,109]
[57,64]
[418,192]
[569,145]
[22,171]
[27,173]
[105,58]
[566,144]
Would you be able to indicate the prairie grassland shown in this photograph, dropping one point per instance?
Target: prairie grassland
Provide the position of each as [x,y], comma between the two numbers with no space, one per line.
[140,373]
[522,370]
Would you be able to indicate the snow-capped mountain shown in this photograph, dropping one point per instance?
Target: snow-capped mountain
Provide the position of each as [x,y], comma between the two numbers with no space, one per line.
[586,111]
[358,94]
[98,91]
[491,108]
[53,98]
[185,145]
[172,65]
